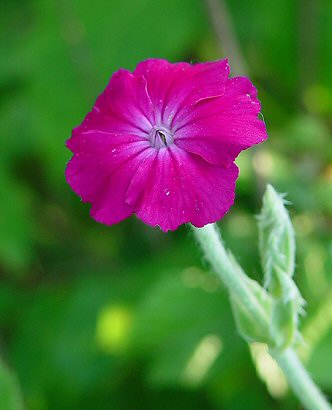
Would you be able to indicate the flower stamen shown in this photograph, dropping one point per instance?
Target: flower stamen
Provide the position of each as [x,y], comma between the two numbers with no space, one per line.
[160,137]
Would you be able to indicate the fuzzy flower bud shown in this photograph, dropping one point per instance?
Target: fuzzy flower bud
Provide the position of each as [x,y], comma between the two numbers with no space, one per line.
[277,249]
[276,242]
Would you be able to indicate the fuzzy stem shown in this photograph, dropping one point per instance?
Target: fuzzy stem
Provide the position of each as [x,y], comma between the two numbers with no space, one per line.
[210,241]
[305,389]
[300,381]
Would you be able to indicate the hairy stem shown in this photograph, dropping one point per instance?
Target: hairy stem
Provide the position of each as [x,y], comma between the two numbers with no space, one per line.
[300,381]
[305,389]
[210,241]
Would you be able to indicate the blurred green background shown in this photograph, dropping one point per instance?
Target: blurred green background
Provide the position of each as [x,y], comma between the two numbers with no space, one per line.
[127,317]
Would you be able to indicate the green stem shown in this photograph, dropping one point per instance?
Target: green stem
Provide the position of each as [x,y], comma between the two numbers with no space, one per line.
[214,251]
[307,392]
[300,381]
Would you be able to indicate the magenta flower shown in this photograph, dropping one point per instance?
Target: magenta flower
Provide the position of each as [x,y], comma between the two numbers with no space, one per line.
[161,143]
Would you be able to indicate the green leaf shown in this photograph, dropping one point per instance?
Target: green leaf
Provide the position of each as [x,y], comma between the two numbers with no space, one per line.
[284,323]
[247,326]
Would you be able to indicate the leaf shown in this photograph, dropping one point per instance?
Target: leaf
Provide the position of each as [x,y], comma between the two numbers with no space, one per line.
[284,323]
[247,326]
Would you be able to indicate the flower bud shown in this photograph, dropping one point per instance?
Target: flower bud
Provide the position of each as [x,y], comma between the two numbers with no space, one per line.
[276,241]
[277,250]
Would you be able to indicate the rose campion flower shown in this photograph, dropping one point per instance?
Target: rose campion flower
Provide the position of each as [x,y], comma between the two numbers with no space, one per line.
[161,143]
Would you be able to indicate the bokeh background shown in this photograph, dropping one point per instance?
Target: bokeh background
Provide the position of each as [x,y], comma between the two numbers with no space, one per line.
[127,317]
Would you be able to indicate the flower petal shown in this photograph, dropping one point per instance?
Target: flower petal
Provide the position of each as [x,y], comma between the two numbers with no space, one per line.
[161,77]
[124,107]
[175,87]
[219,128]
[173,187]
[101,171]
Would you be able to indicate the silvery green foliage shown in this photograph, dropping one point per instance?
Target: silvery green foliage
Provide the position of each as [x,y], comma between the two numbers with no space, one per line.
[277,250]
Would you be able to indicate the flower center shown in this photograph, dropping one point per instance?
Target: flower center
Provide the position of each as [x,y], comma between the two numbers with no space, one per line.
[160,137]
